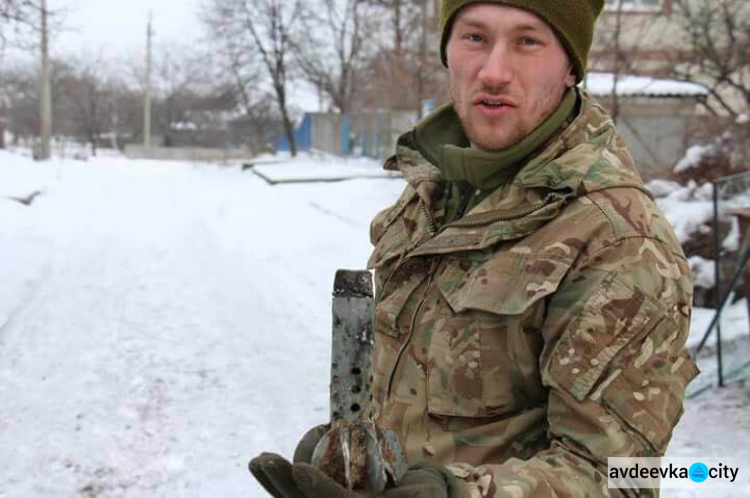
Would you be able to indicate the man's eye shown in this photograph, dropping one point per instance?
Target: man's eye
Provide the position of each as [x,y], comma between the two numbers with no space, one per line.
[473,37]
[529,42]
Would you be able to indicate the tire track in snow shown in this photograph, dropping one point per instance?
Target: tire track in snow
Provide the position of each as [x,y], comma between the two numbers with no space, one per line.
[26,303]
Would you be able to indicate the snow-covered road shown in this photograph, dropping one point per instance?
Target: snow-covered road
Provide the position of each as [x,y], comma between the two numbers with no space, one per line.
[160,323]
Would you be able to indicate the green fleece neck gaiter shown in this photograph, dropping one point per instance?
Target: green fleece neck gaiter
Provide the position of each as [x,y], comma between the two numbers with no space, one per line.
[489,170]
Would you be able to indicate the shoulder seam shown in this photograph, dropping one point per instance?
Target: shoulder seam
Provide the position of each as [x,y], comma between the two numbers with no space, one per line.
[630,236]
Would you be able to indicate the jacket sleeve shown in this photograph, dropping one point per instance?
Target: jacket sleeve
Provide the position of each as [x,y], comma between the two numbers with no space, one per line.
[616,368]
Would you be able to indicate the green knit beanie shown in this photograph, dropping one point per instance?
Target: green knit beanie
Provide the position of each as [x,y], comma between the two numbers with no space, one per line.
[572,20]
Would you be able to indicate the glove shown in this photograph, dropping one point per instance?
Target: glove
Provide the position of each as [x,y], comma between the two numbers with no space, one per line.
[283,479]
[301,480]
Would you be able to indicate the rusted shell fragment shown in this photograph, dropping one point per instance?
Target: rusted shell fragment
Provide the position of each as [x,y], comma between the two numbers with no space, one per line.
[360,456]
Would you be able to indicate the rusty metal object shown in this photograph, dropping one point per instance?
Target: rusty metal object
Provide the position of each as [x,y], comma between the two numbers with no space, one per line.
[356,453]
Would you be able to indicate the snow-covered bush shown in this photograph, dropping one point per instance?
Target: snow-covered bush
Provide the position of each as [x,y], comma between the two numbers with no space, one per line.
[689,209]
[726,154]
[704,272]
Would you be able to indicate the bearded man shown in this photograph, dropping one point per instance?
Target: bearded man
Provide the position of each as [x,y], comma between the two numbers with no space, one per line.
[532,301]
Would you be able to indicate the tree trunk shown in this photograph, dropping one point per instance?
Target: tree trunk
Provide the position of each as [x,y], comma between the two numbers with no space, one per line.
[398,38]
[288,127]
[93,140]
[289,132]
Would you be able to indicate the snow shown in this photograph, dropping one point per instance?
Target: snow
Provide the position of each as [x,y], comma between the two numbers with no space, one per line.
[602,84]
[662,188]
[732,241]
[317,166]
[163,322]
[703,271]
[692,158]
[183,125]
[734,323]
[743,119]
[716,424]
[686,216]
[689,208]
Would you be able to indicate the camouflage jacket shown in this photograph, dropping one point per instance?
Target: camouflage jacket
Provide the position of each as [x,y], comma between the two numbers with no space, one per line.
[543,332]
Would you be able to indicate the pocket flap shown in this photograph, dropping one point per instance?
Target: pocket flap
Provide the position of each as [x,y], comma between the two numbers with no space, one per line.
[393,243]
[388,309]
[507,285]
[610,319]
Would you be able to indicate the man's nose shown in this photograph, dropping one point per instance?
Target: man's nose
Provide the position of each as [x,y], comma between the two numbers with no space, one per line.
[497,69]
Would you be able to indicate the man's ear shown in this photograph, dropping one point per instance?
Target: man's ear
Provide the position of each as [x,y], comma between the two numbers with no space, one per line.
[570,78]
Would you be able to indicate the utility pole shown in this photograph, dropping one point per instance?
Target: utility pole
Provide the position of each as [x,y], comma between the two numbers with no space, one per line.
[3,112]
[147,102]
[46,90]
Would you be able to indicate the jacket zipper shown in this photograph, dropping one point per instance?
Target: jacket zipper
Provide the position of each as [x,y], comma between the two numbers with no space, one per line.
[492,217]
[412,325]
[465,199]
[431,225]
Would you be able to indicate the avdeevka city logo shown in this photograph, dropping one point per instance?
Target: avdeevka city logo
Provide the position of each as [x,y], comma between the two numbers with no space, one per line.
[698,472]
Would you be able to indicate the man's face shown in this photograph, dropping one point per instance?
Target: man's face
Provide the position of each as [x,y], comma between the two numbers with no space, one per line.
[508,73]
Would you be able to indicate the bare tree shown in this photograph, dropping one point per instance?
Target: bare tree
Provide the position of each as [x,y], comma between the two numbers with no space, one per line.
[398,12]
[20,23]
[426,63]
[14,13]
[89,98]
[266,26]
[622,40]
[407,71]
[237,68]
[239,78]
[717,34]
[33,22]
[330,49]
[19,85]
[179,78]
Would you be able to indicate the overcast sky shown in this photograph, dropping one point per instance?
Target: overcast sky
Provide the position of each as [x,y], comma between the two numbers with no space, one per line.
[119,26]
[114,31]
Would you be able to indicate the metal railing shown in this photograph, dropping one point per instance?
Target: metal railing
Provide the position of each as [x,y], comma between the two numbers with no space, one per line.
[727,195]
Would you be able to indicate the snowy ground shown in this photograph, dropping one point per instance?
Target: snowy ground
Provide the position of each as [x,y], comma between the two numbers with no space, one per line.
[160,323]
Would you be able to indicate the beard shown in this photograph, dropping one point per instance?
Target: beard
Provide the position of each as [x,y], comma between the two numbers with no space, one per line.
[495,133]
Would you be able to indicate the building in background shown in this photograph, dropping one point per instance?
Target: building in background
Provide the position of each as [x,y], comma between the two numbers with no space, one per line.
[370,133]
[657,117]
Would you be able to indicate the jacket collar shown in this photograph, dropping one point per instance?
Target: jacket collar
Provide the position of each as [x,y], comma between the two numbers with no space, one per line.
[588,156]
[441,140]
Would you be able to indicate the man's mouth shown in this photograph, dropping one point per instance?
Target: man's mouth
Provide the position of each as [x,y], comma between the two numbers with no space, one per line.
[493,103]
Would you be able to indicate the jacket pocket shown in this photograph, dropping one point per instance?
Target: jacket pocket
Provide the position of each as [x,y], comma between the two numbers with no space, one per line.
[507,285]
[394,294]
[647,400]
[625,353]
[610,319]
[390,244]
[385,259]
[483,355]
[390,333]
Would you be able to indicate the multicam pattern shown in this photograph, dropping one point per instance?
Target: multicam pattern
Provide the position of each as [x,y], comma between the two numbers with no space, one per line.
[540,334]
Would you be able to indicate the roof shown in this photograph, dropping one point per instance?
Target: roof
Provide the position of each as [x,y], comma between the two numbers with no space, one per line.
[601,84]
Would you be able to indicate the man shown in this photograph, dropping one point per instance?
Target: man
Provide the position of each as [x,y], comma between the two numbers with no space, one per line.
[532,301]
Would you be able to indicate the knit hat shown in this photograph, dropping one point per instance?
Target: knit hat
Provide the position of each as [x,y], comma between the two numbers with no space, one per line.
[572,20]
